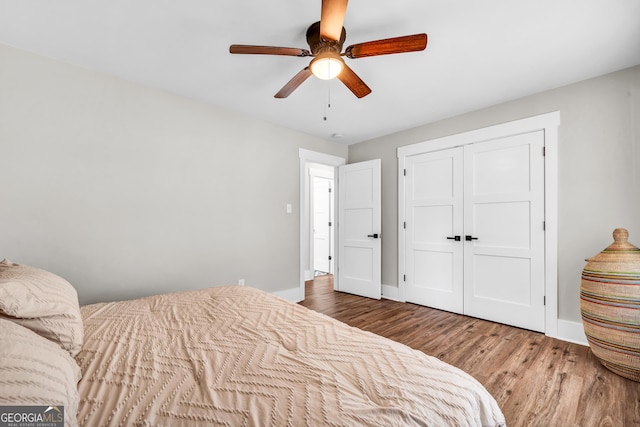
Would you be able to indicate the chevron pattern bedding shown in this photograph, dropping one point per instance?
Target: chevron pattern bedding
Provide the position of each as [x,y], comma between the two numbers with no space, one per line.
[237,356]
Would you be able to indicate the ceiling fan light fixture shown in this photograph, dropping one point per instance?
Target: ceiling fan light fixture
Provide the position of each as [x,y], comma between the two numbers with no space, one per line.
[327,66]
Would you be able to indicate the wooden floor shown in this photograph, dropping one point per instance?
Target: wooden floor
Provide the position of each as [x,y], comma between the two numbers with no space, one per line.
[536,380]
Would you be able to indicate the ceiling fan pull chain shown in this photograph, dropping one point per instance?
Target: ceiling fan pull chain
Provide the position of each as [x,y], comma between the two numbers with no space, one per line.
[325,112]
[328,104]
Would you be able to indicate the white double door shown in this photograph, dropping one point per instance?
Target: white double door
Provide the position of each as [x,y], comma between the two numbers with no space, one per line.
[474,230]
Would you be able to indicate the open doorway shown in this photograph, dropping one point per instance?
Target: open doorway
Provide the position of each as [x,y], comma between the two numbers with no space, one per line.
[317,171]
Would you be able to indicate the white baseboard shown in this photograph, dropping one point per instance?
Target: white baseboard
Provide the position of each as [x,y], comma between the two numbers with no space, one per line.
[572,332]
[308,275]
[292,294]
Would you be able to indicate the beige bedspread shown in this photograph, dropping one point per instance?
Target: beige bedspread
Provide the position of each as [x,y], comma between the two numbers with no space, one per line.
[238,356]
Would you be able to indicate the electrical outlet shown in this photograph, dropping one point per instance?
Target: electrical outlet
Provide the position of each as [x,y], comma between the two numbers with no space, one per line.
[241,282]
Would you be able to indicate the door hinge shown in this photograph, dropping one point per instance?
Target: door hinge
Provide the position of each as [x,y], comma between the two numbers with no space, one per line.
[544,225]
[330,258]
[544,300]
[404,277]
[329,189]
[405,172]
[544,151]
[405,225]
[330,224]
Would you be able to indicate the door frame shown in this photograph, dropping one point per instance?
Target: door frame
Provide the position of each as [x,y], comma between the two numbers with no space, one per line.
[308,157]
[548,123]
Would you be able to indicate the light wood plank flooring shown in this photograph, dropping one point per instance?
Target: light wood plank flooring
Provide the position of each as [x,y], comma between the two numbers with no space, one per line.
[536,380]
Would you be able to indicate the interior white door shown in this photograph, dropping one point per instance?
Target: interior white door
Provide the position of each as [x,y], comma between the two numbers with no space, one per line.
[359,229]
[434,244]
[321,224]
[504,217]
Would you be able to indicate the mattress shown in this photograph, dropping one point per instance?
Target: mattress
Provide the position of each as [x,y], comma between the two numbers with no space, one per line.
[238,356]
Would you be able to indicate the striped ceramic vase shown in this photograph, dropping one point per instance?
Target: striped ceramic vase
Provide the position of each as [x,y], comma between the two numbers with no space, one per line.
[610,306]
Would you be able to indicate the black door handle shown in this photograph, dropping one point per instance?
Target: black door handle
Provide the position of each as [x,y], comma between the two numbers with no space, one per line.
[375,235]
[456,238]
[469,238]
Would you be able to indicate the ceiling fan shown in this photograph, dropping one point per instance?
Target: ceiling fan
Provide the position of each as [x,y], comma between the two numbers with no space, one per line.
[325,39]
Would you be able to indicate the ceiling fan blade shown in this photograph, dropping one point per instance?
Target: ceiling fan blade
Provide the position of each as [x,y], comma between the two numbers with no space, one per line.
[353,82]
[332,18]
[403,44]
[268,50]
[293,84]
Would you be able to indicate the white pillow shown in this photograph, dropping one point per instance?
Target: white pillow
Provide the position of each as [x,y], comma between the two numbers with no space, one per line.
[35,371]
[43,302]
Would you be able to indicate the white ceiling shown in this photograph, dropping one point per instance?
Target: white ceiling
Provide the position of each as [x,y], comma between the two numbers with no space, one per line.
[479,53]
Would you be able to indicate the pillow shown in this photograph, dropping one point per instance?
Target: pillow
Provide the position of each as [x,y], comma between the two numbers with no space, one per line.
[34,371]
[43,302]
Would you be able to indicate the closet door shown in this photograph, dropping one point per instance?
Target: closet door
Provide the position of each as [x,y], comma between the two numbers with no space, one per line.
[504,217]
[433,204]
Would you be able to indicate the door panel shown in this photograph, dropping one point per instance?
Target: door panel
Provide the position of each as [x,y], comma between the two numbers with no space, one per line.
[358,185]
[494,279]
[513,233]
[498,170]
[321,220]
[435,177]
[434,212]
[359,267]
[440,217]
[357,223]
[504,211]
[433,271]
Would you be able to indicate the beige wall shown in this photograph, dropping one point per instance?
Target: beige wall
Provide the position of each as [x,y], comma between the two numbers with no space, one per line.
[128,191]
[599,169]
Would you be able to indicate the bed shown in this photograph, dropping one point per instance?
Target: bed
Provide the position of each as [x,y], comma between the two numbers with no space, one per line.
[230,356]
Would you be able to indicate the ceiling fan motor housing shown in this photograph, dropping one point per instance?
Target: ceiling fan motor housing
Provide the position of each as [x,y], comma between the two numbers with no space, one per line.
[319,45]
